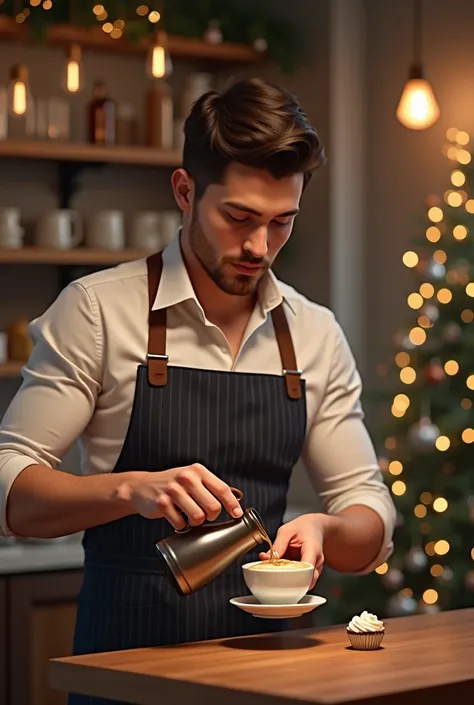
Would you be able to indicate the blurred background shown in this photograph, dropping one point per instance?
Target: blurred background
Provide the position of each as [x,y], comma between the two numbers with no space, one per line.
[92,102]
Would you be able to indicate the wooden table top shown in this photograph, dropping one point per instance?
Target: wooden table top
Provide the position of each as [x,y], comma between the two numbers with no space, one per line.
[421,655]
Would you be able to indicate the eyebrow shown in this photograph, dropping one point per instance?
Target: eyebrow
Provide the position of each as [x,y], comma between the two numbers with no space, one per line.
[242,207]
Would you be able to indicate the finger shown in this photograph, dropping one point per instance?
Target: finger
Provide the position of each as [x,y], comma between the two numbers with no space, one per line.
[182,500]
[316,574]
[168,511]
[223,493]
[281,542]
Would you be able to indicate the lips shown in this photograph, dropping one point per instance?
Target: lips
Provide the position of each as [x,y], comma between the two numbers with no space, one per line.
[247,268]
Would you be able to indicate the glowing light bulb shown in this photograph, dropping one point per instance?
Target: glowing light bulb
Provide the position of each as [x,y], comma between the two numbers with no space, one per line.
[418,107]
[159,62]
[73,80]
[18,90]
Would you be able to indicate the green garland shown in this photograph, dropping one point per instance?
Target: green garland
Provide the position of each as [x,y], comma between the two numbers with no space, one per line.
[188,18]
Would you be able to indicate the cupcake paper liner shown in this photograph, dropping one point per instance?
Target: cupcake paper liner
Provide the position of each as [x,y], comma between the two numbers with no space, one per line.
[366,641]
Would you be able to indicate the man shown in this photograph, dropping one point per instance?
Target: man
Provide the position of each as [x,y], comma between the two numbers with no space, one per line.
[186,375]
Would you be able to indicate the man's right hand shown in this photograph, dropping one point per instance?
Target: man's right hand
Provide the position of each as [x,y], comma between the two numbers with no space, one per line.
[193,489]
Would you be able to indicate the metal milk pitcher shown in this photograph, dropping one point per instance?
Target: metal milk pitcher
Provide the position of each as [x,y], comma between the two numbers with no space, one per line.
[195,556]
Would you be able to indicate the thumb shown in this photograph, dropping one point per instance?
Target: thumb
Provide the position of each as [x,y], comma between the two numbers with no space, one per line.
[283,538]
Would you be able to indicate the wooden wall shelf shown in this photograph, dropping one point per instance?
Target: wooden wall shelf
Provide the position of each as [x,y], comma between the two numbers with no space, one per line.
[91,153]
[79,256]
[10,369]
[95,39]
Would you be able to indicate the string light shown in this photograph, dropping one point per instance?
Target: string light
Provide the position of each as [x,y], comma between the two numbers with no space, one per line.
[417,336]
[399,488]
[462,137]
[415,301]
[435,214]
[410,259]
[433,234]
[430,548]
[467,316]
[442,443]
[35,3]
[468,435]
[441,548]
[451,134]
[407,375]
[463,156]
[470,382]
[469,205]
[430,596]
[453,198]
[427,290]
[444,296]
[458,178]
[390,443]
[395,467]
[154,16]
[470,289]
[420,511]
[466,404]
[460,232]
[472,554]
[440,505]
[426,497]
[108,27]
[47,5]
[402,359]
[143,10]
[436,570]
[440,256]
[451,367]
[401,401]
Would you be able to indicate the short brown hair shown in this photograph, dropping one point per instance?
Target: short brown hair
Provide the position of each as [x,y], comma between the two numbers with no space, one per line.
[253,123]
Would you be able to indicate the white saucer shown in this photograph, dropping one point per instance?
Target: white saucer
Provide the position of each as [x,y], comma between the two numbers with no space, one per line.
[250,604]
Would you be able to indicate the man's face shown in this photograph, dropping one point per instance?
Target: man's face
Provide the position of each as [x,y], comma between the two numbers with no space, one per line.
[238,227]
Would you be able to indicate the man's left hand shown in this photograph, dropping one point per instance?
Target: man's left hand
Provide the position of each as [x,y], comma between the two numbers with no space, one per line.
[301,540]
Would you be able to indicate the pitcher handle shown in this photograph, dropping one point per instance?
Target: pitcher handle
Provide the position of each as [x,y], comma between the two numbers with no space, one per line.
[238,494]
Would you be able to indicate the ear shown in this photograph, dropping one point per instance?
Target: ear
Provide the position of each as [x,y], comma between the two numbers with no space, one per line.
[183,189]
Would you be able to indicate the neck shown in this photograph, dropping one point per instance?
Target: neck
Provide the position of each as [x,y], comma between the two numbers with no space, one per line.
[218,306]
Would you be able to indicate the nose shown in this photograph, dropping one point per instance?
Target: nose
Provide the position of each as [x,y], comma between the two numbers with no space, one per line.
[257,243]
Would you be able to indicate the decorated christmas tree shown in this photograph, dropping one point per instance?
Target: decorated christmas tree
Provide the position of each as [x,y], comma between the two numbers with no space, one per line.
[425,448]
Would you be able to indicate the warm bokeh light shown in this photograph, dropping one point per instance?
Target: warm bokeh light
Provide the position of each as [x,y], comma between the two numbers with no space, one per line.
[427,290]
[470,382]
[451,367]
[442,443]
[458,178]
[433,234]
[454,199]
[440,505]
[401,401]
[436,570]
[441,547]
[460,232]
[402,359]
[463,156]
[415,301]
[444,296]
[382,569]
[435,214]
[395,467]
[466,403]
[467,316]
[440,256]
[407,375]
[417,336]
[462,138]
[468,435]
[470,289]
[399,488]
[426,497]
[430,596]
[420,511]
[410,259]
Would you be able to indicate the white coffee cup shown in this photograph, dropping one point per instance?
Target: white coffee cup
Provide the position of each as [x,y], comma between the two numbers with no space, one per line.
[11,232]
[60,229]
[106,230]
[278,587]
[145,231]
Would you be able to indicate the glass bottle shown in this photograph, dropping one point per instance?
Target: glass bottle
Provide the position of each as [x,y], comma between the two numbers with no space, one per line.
[102,116]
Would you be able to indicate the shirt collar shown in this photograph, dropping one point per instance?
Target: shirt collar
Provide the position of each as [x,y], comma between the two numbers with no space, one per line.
[175,285]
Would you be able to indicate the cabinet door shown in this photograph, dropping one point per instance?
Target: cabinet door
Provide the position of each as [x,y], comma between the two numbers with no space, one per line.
[3,641]
[42,614]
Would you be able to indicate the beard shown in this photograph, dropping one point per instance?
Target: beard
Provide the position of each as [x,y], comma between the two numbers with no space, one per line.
[235,284]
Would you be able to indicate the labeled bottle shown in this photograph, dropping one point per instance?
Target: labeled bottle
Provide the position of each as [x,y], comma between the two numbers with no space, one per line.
[102,116]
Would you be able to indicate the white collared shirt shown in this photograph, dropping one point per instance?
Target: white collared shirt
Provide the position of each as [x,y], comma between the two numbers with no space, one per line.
[80,379]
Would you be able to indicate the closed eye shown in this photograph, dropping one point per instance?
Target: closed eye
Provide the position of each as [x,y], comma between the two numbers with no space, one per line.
[237,220]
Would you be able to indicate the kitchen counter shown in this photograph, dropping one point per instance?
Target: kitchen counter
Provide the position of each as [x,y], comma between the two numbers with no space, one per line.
[37,556]
[421,656]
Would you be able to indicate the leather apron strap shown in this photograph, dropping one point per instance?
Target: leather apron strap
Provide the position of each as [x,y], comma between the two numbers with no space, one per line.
[157,358]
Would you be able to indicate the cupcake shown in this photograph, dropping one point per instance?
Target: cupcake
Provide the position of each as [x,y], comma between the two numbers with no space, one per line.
[365,632]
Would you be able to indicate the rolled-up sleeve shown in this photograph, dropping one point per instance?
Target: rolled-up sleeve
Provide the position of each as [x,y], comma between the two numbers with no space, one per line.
[61,383]
[339,454]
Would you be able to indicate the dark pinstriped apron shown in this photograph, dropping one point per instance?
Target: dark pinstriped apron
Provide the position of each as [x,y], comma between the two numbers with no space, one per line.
[249,430]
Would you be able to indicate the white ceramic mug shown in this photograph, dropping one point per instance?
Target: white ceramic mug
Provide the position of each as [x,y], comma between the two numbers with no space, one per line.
[145,231]
[106,230]
[61,229]
[11,232]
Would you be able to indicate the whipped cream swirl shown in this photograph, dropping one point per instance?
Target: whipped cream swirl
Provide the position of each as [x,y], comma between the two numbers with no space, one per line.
[366,622]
